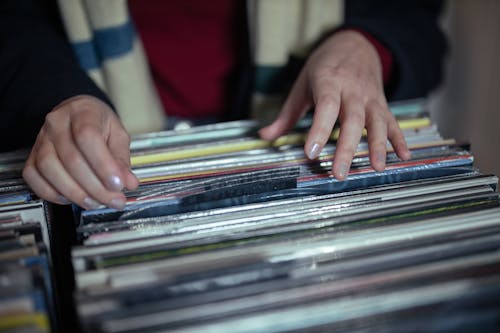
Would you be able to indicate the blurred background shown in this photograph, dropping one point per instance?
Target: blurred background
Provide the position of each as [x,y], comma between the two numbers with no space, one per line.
[467,105]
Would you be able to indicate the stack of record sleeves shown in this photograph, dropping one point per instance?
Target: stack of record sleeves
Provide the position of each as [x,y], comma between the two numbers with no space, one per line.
[230,233]
[27,302]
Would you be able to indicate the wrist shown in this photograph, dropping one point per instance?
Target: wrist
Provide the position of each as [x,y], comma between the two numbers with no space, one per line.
[384,54]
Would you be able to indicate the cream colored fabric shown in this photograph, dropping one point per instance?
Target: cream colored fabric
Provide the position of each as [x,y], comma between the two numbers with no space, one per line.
[283,28]
[278,29]
[124,77]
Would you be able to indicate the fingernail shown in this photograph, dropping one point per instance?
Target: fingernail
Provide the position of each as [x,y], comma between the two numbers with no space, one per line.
[314,151]
[89,203]
[343,169]
[380,158]
[63,200]
[114,183]
[117,204]
[407,155]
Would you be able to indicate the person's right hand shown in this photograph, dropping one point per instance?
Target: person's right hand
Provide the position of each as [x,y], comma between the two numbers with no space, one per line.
[81,155]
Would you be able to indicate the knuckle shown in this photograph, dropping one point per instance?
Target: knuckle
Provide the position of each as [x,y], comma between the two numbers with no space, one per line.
[81,103]
[84,103]
[85,135]
[347,151]
[72,159]
[331,71]
[357,118]
[124,136]
[43,152]
[379,145]
[52,120]
[359,87]
[329,100]
[74,194]
[28,172]
[51,117]
[327,78]
[30,176]
[43,162]
[374,106]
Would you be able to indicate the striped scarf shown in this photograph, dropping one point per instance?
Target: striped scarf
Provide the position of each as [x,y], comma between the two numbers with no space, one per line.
[110,51]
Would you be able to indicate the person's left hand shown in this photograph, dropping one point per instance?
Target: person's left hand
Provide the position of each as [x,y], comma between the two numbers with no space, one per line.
[343,80]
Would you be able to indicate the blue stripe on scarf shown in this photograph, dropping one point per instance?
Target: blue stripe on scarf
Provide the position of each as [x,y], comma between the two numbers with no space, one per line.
[86,54]
[277,79]
[107,43]
[269,79]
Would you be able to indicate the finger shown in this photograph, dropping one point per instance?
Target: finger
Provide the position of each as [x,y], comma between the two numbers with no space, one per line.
[326,95]
[376,126]
[119,146]
[397,139]
[47,165]
[296,105]
[351,129]
[75,166]
[36,182]
[40,186]
[89,135]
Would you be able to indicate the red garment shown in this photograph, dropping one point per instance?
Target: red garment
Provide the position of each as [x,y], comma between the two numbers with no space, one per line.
[192,48]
